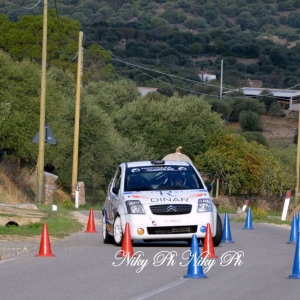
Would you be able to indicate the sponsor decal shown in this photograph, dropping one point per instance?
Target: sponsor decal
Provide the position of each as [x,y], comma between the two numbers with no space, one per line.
[169,200]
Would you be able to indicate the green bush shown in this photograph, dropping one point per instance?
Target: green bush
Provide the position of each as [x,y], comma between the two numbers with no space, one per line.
[85,206]
[258,214]
[68,204]
[250,121]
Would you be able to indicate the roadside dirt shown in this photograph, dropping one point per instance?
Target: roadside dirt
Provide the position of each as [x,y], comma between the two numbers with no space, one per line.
[275,128]
[13,245]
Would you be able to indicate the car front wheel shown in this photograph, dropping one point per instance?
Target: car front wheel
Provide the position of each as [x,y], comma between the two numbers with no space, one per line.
[107,238]
[218,237]
[118,232]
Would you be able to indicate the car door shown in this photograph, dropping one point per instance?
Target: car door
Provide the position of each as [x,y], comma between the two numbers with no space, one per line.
[114,193]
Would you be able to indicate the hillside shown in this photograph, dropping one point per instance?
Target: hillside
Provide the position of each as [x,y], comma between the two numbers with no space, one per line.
[256,39]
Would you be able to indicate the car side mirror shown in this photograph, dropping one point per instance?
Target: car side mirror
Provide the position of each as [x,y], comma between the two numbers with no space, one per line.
[209,187]
[115,190]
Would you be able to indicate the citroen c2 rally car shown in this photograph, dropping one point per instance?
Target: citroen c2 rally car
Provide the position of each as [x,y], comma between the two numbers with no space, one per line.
[161,200]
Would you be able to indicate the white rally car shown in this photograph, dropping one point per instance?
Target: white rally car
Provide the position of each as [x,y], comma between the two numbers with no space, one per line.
[161,200]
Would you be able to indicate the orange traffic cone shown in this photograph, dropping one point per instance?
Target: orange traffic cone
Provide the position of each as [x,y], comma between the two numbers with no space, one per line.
[208,245]
[45,248]
[91,223]
[126,243]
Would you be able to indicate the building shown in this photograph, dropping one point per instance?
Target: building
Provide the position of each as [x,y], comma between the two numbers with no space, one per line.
[288,99]
[207,77]
[143,91]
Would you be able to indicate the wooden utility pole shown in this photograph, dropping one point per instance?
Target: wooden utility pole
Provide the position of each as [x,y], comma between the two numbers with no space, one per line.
[40,183]
[77,114]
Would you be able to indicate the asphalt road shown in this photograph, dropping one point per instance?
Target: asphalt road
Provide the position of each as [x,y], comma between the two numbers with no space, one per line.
[85,268]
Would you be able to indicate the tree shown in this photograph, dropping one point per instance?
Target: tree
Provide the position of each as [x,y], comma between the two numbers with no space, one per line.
[233,160]
[246,104]
[165,124]
[19,100]
[258,137]
[244,167]
[250,121]
[221,107]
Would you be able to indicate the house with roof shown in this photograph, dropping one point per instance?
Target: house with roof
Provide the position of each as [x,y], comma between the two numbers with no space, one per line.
[288,99]
[143,91]
[207,77]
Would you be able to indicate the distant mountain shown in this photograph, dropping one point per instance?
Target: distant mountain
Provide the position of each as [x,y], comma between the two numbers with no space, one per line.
[256,39]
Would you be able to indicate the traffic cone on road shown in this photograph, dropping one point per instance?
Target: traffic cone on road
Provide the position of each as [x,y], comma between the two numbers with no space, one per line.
[195,269]
[294,228]
[45,248]
[91,223]
[226,234]
[208,245]
[248,222]
[126,243]
[296,266]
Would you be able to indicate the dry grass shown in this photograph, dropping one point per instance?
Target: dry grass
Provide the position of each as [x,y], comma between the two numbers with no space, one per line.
[19,185]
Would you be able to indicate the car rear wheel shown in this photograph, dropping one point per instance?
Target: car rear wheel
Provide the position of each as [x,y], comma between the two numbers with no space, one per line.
[107,238]
[218,237]
[118,232]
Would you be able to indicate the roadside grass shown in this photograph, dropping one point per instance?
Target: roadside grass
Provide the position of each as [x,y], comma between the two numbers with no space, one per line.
[60,223]
[223,210]
[263,220]
[258,216]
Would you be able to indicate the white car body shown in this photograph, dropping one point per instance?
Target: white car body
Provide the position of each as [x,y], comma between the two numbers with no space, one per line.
[154,212]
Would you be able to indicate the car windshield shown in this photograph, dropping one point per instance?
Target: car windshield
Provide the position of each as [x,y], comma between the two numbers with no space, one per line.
[161,178]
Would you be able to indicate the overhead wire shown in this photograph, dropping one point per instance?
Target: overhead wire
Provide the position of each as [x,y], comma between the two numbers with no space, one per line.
[29,8]
[138,68]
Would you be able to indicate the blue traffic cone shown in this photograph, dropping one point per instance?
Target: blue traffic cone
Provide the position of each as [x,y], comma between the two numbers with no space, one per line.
[296,267]
[226,234]
[298,222]
[294,229]
[194,270]
[248,222]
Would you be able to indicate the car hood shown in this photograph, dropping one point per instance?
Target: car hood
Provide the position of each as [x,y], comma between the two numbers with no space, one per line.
[165,197]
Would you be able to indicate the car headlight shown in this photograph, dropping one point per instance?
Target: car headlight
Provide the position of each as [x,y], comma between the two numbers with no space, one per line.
[204,205]
[134,207]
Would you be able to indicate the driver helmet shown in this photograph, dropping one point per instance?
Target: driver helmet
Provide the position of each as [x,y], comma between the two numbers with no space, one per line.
[178,179]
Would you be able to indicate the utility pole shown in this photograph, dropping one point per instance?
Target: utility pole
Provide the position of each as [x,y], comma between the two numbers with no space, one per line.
[298,161]
[40,183]
[77,114]
[221,83]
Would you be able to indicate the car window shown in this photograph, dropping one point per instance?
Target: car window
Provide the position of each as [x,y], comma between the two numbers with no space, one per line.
[160,178]
[118,178]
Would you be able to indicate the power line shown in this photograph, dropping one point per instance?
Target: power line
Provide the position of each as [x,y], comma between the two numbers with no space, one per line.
[137,68]
[29,8]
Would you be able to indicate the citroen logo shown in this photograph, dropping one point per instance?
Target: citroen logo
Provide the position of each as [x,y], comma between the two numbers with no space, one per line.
[171,208]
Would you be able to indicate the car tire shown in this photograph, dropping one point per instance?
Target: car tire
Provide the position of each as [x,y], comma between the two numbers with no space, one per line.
[118,231]
[107,238]
[218,237]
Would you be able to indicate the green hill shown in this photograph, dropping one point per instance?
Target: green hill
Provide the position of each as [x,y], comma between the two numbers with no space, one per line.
[256,39]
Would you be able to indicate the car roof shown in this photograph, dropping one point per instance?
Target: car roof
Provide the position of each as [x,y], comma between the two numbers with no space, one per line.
[151,163]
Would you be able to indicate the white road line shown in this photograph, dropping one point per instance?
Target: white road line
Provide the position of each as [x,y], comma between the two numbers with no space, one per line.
[161,289]
[7,259]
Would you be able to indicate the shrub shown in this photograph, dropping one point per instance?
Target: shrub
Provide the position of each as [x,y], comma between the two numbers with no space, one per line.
[85,206]
[258,214]
[68,204]
[250,121]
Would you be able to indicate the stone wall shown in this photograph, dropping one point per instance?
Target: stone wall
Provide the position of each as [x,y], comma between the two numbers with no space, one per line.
[49,186]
